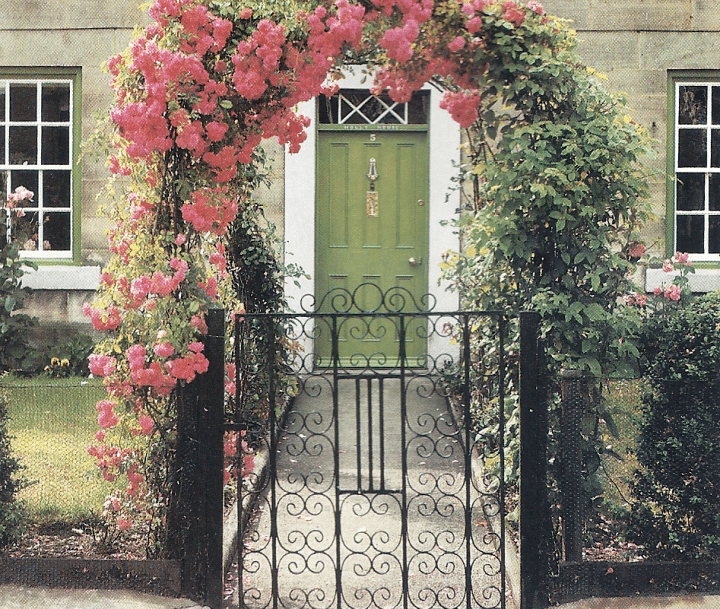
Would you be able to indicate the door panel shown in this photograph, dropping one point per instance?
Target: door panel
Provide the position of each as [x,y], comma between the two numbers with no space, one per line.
[372,231]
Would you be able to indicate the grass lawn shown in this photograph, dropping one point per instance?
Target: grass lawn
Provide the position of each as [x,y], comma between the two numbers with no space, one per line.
[52,423]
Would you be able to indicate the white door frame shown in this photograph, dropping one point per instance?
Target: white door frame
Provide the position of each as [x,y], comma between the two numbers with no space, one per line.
[444,144]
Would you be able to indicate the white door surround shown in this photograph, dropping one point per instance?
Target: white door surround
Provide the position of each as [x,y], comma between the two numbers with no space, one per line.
[300,168]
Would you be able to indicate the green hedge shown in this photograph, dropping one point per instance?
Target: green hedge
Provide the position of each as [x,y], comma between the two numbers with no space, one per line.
[676,513]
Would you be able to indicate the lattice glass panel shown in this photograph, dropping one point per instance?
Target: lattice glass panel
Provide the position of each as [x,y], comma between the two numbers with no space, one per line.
[360,107]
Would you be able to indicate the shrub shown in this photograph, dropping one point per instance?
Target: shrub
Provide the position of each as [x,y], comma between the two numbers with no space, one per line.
[676,512]
[258,282]
[11,512]
[15,353]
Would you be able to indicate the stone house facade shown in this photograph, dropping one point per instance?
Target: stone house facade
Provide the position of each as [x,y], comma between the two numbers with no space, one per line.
[662,53]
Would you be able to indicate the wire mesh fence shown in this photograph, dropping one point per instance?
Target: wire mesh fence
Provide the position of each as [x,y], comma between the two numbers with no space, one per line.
[52,422]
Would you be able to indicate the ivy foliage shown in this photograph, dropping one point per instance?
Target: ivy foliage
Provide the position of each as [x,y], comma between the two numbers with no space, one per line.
[557,197]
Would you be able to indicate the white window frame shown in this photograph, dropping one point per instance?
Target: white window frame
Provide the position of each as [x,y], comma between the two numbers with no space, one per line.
[38,204]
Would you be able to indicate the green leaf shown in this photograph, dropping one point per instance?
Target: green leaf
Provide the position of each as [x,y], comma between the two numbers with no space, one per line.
[610,422]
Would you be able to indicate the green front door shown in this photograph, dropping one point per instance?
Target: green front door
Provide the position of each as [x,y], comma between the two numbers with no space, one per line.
[372,228]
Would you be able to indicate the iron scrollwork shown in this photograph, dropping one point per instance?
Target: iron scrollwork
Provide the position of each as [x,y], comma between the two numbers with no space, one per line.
[373,498]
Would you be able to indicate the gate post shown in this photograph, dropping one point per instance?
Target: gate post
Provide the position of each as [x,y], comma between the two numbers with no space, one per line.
[533,469]
[572,385]
[198,504]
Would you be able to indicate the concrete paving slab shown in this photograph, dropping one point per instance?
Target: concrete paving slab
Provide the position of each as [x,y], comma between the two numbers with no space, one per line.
[21,597]
[683,601]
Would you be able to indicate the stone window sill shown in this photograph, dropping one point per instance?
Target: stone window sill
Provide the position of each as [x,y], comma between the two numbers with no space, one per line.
[703,280]
[63,278]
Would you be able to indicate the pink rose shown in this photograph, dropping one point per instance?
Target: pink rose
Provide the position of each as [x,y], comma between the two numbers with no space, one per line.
[164,349]
[146,425]
[672,293]
[456,44]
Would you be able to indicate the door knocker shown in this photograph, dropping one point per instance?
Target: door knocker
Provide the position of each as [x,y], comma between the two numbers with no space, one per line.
[371,197]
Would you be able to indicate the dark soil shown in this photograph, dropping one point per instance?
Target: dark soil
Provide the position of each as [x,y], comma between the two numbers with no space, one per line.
[74,541]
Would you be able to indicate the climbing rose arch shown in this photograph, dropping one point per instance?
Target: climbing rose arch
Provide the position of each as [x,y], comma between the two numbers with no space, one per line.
[196,93]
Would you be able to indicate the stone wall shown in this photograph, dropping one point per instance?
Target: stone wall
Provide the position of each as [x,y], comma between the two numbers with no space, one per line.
[79,34]
[636,44]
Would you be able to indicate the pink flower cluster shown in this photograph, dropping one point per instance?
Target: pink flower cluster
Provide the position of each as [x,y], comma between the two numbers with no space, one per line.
[109,318]
[18,196]
[536,7]
[636,250]
[513,13]
[135,480]
[247,463]
[679,258]
[398,41]
[102,365]
[110,459]
[164,378]
[230,378]
[462,106]
[636,299]
[159,284]
[210,210]
[672,292]
[106,414]
[257,60]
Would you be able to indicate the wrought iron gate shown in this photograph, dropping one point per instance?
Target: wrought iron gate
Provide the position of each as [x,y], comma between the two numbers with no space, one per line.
[371,487]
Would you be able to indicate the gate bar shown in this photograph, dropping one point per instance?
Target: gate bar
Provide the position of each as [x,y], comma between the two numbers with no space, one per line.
[211,447]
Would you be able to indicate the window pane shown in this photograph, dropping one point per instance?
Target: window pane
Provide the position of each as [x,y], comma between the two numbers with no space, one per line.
[55,145]
[690,234]
[715,148]
[714,235]
[716,105]
[692,148]
[714,194]
[55,102]
[2,101]
[27,232]
[56,188]
[28,179]
[692,105]
[23,102]
[690,191]
[419,108]
[56,231]
[328,110]
[359,106]
[2,145]
[23,145]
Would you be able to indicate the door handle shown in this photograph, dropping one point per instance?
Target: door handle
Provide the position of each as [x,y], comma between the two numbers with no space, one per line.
[412,261]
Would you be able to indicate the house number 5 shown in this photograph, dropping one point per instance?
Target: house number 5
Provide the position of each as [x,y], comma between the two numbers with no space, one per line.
[373,137]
